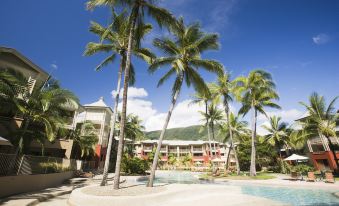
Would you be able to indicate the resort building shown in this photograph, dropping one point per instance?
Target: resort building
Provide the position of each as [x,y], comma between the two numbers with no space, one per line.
[320,153]
[12,59]
[199,151]
[9,123]
[100,115]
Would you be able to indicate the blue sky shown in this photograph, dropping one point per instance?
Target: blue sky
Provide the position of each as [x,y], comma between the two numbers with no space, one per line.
[297,41]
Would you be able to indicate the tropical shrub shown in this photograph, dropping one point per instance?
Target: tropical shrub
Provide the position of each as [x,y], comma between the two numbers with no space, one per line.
[134,165]
[303,169]
[52,167]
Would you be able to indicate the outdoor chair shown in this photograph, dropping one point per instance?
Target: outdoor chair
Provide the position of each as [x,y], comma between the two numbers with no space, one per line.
[329,178]
[295,176]
[311,177]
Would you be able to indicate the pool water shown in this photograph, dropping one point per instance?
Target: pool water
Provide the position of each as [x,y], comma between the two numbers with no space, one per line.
[293,196]
[286,195]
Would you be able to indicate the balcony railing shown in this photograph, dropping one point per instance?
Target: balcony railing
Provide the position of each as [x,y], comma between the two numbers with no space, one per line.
[172,150]
[184,150]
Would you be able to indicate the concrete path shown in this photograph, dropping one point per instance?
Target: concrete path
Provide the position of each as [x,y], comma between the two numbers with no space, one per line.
[56,201]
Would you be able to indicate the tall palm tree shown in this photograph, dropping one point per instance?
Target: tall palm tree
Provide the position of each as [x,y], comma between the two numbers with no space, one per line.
[114,39]
[183,56]
[278,135]
[204,97]
[213,116]
[223,88]
[256,91]
[238,129]
[321,120]
[137,10]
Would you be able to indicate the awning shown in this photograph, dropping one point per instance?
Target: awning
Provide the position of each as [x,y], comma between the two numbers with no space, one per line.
[295,157]
[4,141]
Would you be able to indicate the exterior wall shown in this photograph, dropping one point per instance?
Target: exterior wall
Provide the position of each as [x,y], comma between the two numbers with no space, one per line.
[27,183]
[321,156]
[64,147]
[318,159]
[13,61]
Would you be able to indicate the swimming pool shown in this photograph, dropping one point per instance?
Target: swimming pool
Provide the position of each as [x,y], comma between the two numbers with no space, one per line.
[292,196]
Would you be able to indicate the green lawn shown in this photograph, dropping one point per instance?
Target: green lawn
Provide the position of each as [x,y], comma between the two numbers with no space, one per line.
[244,176]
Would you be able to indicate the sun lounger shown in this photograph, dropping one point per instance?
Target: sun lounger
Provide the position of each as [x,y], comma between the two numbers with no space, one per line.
[310,177]
[329,177]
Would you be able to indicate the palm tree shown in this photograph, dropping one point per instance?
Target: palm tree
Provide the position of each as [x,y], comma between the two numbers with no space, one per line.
[238,129]
[116,42]
[134,130]
[223,88]
[278,135]
[204,97]
[321,120]
[138,8]
[256,91]
[213,116]
[184,58]
[10,83]
[85,137]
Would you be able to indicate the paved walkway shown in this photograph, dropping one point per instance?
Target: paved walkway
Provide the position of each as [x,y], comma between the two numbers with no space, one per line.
[33,198]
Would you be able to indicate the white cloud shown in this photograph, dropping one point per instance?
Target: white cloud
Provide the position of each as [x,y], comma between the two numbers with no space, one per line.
[287,116]
[184,113]
[219,16]
[54,66]
[133,92]
[321,39]
[216,14]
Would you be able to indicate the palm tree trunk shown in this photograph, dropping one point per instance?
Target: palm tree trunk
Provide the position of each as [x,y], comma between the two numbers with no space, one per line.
[213,137]
[157,152]
[208,130]
[19,147]
[228,156]
[254,134]
[124,99]
[111,134]
[231,137]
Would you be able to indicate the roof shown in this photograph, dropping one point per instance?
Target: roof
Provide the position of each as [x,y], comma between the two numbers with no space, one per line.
[23,58]
[4,141]
[179,142]
[99,104]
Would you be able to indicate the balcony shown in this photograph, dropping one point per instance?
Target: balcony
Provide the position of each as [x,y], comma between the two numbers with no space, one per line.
[172,150]
[163,150]
[147,148]
[184,150]
[197,150]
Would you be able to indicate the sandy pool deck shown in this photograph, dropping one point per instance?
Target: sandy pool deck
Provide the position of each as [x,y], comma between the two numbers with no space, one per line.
[172,195]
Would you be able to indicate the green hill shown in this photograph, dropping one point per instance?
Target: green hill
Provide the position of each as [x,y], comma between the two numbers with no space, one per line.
[182,133]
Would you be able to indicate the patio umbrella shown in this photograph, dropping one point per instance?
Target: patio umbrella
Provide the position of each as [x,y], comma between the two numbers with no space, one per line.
[295,157]
[4,141]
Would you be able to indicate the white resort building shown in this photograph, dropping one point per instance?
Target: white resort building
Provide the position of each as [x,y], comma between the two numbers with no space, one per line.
[199,150]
